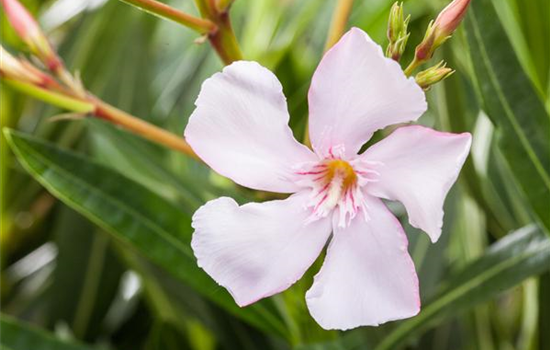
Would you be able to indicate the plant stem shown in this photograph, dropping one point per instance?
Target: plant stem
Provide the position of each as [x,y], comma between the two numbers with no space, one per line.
[142,128]
[412,66]
[162,10]
[339,21]
[223,5]
[51,97]
[91,105]
[224,41]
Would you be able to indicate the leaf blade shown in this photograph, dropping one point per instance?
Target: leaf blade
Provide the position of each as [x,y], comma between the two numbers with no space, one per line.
[521,254]
[134,215]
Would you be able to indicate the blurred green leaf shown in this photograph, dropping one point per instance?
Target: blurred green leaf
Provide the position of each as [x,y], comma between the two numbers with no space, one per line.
[511,260]
[512,103]
[132,214]
[86,277]
[19,336]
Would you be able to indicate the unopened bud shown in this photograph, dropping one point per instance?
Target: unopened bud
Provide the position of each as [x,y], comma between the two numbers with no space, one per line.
[397,32]
[433,75]
[28,30]
[21,70]
[439,31]
[451,16]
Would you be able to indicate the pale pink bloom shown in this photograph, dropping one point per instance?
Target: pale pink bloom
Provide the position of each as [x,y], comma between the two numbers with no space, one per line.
[240,129]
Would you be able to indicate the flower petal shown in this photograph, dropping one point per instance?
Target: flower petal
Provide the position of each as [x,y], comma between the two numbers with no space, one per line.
[240,128]
[419,166]
[356,91]
[258,249]
[368,277]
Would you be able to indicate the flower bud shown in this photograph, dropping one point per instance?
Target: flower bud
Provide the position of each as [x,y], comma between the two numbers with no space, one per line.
[29,31]
[397,32]
[451,16]
[20,70]
[433,75]
[440,30]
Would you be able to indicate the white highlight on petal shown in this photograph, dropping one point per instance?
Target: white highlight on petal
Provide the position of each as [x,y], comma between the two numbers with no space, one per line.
[368,277]
[258,249]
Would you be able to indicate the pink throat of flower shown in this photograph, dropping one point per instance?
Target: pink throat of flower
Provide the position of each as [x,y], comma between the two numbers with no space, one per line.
[337,184]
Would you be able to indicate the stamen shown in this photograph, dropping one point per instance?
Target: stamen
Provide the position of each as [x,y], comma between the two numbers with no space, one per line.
[336,183]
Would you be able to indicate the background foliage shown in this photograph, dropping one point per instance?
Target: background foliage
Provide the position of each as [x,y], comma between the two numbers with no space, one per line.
[96,222]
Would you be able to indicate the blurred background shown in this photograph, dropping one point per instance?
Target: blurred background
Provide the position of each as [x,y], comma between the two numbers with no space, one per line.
[95,254]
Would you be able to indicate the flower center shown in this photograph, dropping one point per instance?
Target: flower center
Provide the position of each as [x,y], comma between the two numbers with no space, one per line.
[336,184]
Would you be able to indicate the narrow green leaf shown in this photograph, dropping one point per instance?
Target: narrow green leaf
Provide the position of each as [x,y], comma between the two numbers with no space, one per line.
[132,214]
[511,260]
[19,336]
[513,105]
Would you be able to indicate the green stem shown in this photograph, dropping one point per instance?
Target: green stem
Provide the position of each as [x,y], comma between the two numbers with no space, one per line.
[50,97]
[223,5]
[412,66]
[224,41]
[161,10]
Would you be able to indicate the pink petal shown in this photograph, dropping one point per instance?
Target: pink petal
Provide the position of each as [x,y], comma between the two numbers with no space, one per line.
[356,91]
[240,129]
[368,277]
[419,166]
[258,249]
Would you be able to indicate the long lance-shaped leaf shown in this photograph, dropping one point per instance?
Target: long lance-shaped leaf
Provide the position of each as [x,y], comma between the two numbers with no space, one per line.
[511,260]
[19,336]
[132,214]
[513,105]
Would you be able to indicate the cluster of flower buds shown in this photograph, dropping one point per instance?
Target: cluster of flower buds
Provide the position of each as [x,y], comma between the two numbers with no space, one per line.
[437,33]
[64,91]
[397,32]
[22,70]
[433,75]
[29,31]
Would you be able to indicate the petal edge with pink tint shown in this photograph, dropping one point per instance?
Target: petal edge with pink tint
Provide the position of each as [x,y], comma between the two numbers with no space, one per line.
[355,91]
[240,129]
[420,165]
[258,249]
[368,277]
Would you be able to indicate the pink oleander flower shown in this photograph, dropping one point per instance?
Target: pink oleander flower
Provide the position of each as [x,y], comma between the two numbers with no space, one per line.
[240,129]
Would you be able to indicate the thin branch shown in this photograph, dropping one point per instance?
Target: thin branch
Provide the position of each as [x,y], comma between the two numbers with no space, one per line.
[162,10]
[339,22]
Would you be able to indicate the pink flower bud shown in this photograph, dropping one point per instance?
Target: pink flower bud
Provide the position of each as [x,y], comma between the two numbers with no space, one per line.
[27,28]
[451,16]
[21,20]
[21,70]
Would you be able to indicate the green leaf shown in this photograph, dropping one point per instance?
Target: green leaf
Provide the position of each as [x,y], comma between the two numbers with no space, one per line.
[19,336]
[86,278]
[134,215]
[511,260]
[513,104]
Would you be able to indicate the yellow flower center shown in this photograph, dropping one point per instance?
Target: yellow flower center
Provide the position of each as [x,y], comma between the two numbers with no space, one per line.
[341,171]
